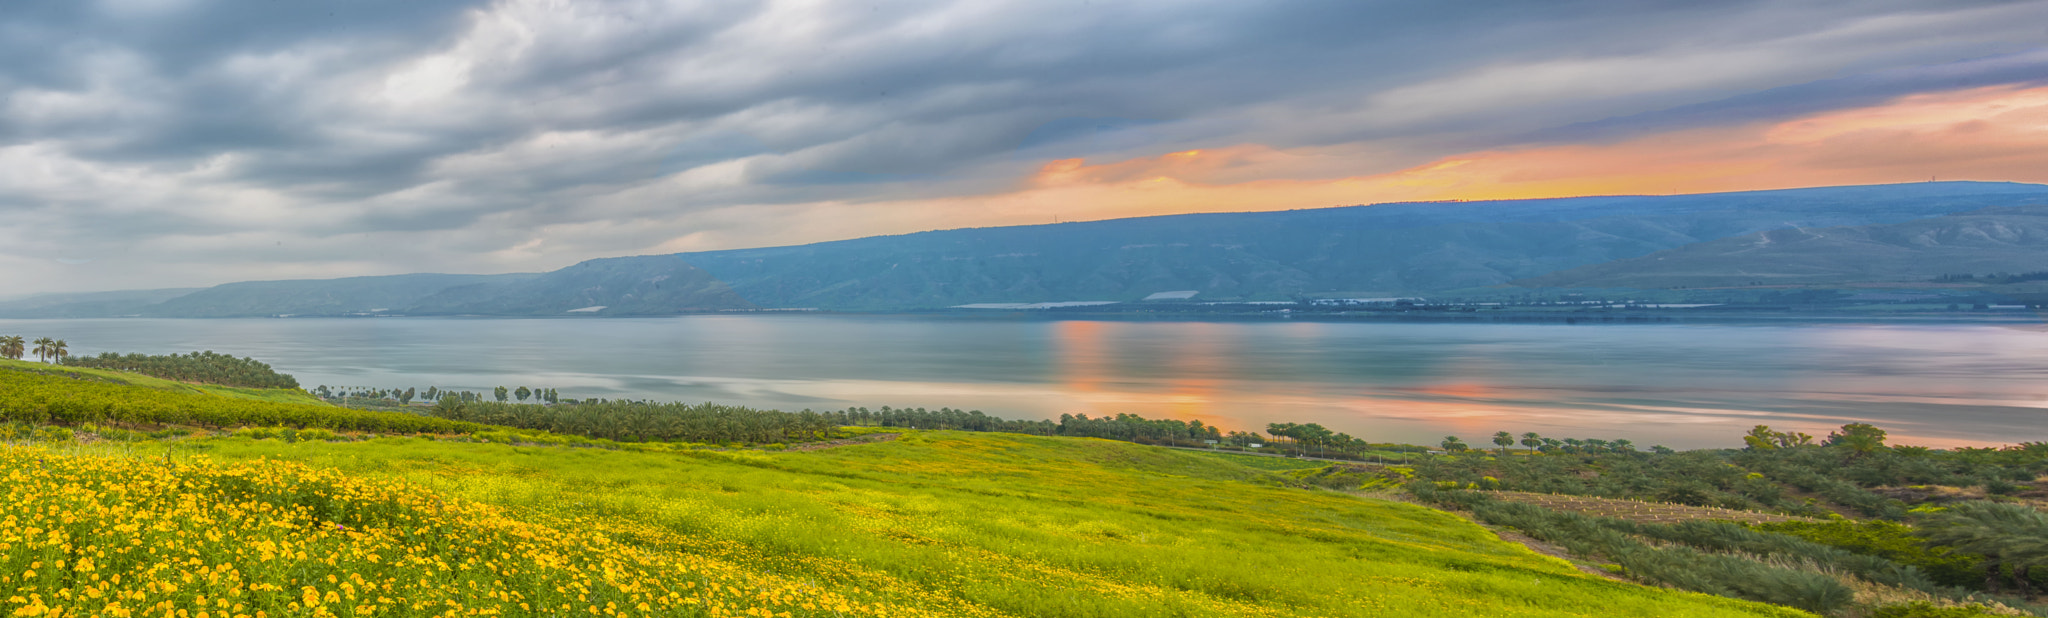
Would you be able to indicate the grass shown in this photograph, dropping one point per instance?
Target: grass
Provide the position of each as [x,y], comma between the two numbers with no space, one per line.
[930,523]
[999,524]
[278,395]
[97,533]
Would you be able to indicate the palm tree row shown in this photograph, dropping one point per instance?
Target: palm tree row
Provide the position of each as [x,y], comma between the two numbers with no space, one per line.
[942,418]
[643,421]
[202,367]
[13,346]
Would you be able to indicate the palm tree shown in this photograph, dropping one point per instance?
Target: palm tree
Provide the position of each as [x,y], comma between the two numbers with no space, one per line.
[1860,438]
[2006,534]
[1503,440]
[12,346]
[42,350]
[1532,440]
[1452,444]
[58,351]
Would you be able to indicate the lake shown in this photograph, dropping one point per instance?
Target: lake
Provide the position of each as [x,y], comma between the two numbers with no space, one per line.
[1681,385]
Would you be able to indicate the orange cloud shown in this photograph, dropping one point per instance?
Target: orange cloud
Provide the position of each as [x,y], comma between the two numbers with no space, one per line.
[1997,133]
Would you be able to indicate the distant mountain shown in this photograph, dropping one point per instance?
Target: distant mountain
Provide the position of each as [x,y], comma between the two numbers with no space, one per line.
[1384,249]
[353,295]
[1390,249]
[656,285]
[88,305]
[1991,240]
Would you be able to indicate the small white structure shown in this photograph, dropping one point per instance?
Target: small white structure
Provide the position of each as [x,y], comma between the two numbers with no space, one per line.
[1070,303]
[1174,295]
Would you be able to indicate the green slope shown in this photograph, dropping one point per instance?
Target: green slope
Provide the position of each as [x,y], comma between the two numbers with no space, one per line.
[279,395]
[1007,525]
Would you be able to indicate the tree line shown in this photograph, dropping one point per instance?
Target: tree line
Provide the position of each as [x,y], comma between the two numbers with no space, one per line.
[205,367]
[942,418]
[643,421]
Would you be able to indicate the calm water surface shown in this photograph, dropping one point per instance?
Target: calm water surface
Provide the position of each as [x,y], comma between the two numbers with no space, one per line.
[1680,385]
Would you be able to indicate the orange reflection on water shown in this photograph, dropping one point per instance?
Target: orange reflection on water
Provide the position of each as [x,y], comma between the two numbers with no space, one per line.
[1082,362]
[1196,362]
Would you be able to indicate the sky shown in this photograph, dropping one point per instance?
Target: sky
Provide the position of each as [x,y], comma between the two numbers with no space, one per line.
[184,143]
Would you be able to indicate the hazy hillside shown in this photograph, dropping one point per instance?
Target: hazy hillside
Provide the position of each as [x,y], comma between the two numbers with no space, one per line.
[621,286]
[1419,248]
[88,305]
[2010,240]
[318,296]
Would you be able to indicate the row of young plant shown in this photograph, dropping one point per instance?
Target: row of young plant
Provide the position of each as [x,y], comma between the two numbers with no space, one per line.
[1732,560]
[205,367]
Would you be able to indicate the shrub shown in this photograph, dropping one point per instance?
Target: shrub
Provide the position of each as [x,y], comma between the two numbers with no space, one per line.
[1891,541]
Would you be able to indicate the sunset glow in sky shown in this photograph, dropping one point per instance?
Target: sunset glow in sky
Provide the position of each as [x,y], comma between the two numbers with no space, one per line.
[188,143]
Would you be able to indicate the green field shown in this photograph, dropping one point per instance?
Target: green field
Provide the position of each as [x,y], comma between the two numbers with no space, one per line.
[997,524]
[935,523]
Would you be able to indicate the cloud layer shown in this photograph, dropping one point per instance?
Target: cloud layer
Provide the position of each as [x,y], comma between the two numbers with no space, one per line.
[159,143]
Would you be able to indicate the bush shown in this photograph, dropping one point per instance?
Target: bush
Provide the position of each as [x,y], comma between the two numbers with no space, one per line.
[1678,566]
[1891,541]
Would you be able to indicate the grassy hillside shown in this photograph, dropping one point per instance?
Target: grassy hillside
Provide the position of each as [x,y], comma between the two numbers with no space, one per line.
[971,524]
[40,394]
[937,523]
[276,395]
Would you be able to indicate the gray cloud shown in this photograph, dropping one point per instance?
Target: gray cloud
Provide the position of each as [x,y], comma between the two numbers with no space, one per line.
[236,140]
[2026,68]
